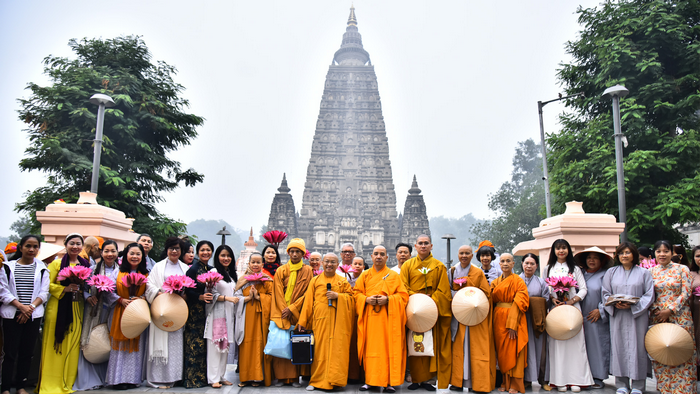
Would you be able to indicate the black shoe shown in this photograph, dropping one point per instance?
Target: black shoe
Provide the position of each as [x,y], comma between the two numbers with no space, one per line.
[365,387]
[413,386]
[456,388]
[427,386]
[389,389]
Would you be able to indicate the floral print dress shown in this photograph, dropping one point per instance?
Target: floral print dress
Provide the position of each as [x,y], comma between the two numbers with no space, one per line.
[672,287]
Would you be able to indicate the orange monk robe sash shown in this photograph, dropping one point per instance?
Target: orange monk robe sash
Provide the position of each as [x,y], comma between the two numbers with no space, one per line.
[381,333]
[281,280]
[436,285]
[332,327]
[511,290]
[482,354]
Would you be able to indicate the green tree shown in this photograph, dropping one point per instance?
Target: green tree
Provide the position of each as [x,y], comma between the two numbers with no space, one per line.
[147,123]
[459,227]
[518,203]
[651,47]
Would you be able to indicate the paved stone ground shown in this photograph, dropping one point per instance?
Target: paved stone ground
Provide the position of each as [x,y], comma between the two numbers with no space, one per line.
[354,388]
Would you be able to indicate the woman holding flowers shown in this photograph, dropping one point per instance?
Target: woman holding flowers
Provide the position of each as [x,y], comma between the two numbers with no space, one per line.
[63,320]
[568,360]
[256,289]
[628,321]
[125,368]
[98,310]
[23,294]
[672,286]
[165,349]
[538,291]
[221,317]
[197,297]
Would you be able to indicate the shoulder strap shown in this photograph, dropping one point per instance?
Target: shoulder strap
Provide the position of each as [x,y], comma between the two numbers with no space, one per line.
[7,271]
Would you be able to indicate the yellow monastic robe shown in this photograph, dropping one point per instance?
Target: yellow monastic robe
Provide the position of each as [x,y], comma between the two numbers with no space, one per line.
[436,285]
[332,327]
[482,355]
[381,334]
[283,369]
[253,363]
[510,300]
[59,370]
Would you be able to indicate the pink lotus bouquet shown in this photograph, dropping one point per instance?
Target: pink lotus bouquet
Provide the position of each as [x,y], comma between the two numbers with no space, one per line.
[696,292]
[307,255]
[275,237]
[648,263]
[177,284]
[347,269]
[102,283]
[210,279]
[133,281]
[256,278]
[460,281]
[318,272]
[561,285]
[75,274]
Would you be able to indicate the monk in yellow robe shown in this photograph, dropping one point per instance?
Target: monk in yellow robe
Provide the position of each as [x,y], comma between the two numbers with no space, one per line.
[380,300]
[290,283]
[435,284]
[511,300]
[329,314]
[254,365]
[478,373]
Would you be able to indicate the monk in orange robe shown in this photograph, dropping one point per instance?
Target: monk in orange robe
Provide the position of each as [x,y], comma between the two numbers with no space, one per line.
[254,365]
[435,284]
[479,371]
[511,300]
[291,281]
[380,300]
[329,314]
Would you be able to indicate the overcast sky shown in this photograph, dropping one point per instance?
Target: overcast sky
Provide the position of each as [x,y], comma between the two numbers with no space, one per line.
[459,83]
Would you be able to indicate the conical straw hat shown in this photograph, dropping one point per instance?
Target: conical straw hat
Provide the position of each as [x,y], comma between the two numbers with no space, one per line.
[136,317]
[421,313]
[97,350]
[169,312]
[564,322]
[605,259]
[669,344]
[470,306]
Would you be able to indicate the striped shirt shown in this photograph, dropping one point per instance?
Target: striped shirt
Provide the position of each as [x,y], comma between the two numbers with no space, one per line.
[24,282]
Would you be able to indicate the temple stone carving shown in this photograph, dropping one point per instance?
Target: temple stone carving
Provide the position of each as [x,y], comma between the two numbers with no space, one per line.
[414,221]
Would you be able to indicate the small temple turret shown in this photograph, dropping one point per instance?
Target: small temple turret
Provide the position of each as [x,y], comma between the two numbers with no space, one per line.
[415,217]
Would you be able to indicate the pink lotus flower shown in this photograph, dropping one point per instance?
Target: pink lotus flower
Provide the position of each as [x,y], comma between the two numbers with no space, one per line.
[307,255]
[134,279]
[210,279]
[259,277]
[318,272]
[76,273]
[177,284]
[346,268]
[275,237]
[562,284]
[102,283]
[648,263]
[696,292]
[460,281]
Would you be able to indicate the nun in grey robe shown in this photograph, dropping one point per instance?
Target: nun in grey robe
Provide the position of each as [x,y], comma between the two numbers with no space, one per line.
[536,287]
[597,333]
[628,356]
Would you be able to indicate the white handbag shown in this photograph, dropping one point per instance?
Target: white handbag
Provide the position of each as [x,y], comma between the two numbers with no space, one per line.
[420,343]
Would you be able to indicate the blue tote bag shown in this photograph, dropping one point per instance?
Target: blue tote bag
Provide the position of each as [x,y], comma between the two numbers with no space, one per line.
[278,342]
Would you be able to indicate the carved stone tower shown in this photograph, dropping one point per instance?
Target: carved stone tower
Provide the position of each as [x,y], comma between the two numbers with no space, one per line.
[415,217]
[283,215]
[349,191]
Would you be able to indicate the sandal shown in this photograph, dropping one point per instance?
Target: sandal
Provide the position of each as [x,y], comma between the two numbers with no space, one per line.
[242,384]
[226,383]
[255,384]
[622,390]
[216,385]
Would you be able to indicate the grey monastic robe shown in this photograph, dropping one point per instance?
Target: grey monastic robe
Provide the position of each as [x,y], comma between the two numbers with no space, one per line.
[597,334]
[628,327]
[536,287]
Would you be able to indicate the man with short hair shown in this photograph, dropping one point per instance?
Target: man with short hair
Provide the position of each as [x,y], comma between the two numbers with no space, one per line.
[315,262]
[403,253]
[329,310]
[290,283]
[91,250]
[146,242]
[380,300]
[428,275]
[347,253]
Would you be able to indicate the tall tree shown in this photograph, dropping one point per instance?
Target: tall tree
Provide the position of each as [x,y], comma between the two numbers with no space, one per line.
[147,123]
[651,47]
[517,204]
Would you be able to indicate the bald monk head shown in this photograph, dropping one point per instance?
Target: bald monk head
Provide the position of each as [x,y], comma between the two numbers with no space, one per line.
[315,261]
[379,257]
[330,264]
[465,255]
[423,246]
[507,263]
[92,247]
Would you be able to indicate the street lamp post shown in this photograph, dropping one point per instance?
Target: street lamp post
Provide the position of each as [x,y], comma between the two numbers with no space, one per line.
[448,237]
[223,232]
[102,101]
[545,169]
[616,92]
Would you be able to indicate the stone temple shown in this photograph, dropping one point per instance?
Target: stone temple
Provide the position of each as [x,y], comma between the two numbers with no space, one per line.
[349,191]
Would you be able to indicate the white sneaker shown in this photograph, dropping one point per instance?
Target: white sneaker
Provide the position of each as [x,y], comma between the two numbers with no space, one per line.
[310,388]
[576,389]
[296,384]
[562,388]
[279,384]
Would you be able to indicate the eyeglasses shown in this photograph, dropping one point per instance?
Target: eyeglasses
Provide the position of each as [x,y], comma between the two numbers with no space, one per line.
[174,249]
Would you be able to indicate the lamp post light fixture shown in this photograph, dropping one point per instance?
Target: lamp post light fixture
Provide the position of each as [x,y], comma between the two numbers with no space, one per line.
[102,101]
[545,170]
[616,92]
[223,232]
[448,237]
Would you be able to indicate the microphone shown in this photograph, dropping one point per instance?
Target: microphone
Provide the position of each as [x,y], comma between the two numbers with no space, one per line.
[328,288]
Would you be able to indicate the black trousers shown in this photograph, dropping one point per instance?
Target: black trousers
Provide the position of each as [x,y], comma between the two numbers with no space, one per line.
[20,340]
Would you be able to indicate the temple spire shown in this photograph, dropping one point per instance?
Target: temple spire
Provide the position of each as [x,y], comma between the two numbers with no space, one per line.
[283,187]
[414,187]
[352,20]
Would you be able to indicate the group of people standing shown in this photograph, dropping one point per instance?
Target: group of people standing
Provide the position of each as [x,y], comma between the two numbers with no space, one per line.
[357,314]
